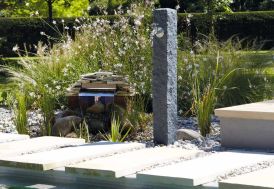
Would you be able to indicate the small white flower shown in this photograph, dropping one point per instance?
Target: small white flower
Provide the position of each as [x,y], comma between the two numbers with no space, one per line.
[197,65]
[32,94]
[58,87]
[42,33]
[66,28]
[89,8]
[177,7]
[190,15]
[77,20]
[36,13]
[15,48]
[63,21]
[27,4]
[137,22]
[54,22]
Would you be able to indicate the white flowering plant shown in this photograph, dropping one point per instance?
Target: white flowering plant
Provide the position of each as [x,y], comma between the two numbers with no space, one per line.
[120,44]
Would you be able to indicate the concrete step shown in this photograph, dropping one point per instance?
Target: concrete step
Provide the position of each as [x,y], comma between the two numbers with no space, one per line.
[7,137]
[263,179]
[129,163]
[240,125]
[36,145]
[203,170]
[65,156]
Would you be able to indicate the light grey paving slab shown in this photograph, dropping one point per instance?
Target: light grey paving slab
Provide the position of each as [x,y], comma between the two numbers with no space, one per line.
[263,179]
[7,137]
[240,125]
[65,156]
[129,163]
[203,170]
[259,110]
[36,145]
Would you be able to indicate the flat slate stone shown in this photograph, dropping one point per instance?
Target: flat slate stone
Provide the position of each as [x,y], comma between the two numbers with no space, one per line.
[263,179]
[7,137]
[129,163]
[203,170]
[36,145]
[65,156]
[259,110]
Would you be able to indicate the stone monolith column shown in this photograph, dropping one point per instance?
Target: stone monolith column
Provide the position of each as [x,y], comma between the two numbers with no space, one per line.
[164,83]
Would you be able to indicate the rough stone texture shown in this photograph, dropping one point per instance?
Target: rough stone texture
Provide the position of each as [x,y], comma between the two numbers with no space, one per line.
[165,77]
[64,126]
[187,134]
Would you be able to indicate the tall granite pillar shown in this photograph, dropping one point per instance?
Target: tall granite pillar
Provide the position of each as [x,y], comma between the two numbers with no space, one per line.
[164,83]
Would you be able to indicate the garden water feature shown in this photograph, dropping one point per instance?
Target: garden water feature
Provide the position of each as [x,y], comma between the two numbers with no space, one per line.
[201,170]
[98,96]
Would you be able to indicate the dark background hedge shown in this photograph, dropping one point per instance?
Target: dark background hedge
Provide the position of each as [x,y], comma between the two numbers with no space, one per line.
[251,25]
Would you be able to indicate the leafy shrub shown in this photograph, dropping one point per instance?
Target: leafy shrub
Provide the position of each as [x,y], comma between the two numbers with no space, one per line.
[123,46]
[16,30]
[250,83]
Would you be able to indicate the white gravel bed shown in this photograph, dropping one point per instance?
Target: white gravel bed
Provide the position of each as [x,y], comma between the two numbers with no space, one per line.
[247,169]
[7,121]
[209,143]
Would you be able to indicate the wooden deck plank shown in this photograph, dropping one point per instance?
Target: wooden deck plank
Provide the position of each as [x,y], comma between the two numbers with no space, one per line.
[129,163]
[65,156]
[263,179]
[203,170]
[36,145]
[8,137]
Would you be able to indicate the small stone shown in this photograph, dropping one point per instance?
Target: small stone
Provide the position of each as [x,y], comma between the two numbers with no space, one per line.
[96,108]
[64,126]
[187,134]
[72,135]
[64,113]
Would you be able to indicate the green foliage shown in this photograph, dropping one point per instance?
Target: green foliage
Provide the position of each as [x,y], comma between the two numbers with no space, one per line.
[82,131]
[15,31]
[122,46]
[20,111]
[46,102]
[61,8]
[136,113]
[204,100]
[118,133]
[227,25]
[250,83]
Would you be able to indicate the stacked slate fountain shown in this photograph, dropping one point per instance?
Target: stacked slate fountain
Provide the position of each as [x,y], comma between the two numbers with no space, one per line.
[97,96]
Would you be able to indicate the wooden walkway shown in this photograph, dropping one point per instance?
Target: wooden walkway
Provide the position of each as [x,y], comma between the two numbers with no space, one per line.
[63,162]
